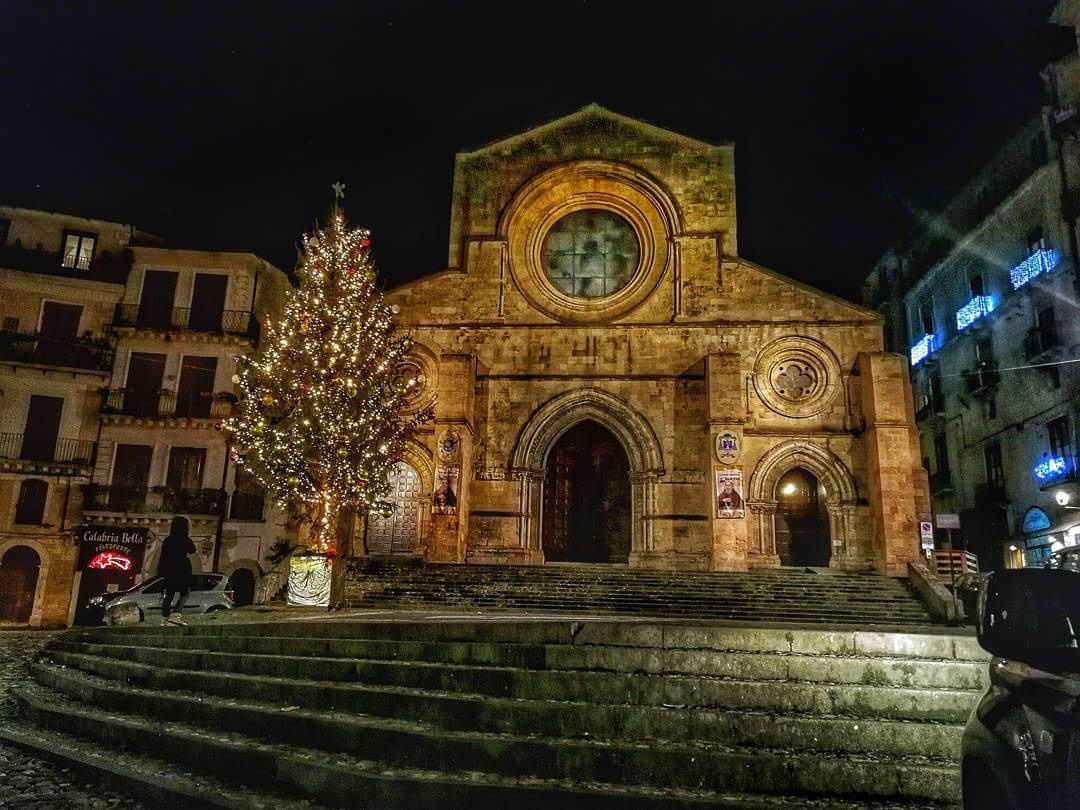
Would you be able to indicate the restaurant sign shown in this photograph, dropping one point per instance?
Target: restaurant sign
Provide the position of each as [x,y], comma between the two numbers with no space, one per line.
[112,548]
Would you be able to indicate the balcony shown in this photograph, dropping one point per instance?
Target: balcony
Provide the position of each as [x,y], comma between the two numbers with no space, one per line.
[179,319]
[1041,343]
[105,266]
[930,407]
[1052,471]
[247,505]
[95,355]
[1039,262]
[982,381]
[925,346]
[940,483]
[167,404]
[20,447]
[155,500]
[974,309]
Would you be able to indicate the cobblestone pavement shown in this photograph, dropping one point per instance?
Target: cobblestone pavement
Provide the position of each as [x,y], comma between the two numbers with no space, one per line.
[27,782]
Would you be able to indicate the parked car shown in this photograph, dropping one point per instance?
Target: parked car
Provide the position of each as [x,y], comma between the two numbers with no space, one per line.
[1067,559]
[209,592]
[1021,746]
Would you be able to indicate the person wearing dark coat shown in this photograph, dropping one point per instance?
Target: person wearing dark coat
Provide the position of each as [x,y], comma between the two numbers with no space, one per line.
[175,568]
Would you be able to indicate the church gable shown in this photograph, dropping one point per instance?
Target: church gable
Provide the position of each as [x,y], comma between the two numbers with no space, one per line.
[699,177]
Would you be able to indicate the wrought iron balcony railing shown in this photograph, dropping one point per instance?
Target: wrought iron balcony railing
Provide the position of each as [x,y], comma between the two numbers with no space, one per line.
[167,404]
[152,500]
[69,352]
[982,380]
[230,321]
[28,447]
[104,266]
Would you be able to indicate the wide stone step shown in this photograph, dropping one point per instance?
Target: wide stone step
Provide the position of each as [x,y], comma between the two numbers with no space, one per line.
[748,728]
[344,780]
[937,705]
[337,660]
[515,630]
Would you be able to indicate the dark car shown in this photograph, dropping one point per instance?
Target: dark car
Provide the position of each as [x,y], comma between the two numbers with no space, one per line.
[1021,746]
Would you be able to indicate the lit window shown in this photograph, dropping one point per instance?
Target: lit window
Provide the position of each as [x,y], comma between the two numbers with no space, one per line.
[78,249]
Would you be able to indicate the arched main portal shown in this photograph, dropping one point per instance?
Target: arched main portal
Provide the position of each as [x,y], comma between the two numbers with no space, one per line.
[633,434]
[19,569]
[586,515]
[802,528]
[399,533]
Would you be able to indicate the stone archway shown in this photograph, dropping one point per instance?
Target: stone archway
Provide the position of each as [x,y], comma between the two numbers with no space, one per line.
[23,569]
[837,482]
[554,418]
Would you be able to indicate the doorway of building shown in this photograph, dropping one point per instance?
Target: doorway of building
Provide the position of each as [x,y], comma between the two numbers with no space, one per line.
[586,515]
[242,583]
[19,569]
[399,532]
[802,528]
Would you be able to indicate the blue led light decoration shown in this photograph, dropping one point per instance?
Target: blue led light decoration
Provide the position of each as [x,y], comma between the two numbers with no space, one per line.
[922,349]
[1039,262]
[973,310]
[1054,469]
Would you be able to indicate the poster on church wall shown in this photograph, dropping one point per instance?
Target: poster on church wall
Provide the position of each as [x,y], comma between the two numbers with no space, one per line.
[729,494]
[447,487]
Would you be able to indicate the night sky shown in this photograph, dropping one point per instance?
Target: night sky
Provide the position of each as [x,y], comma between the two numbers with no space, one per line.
[223,124]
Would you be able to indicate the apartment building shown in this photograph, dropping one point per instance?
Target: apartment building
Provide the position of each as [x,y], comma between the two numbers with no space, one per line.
[117,356]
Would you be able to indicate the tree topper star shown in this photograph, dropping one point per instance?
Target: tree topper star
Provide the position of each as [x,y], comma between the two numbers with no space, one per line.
[339,190]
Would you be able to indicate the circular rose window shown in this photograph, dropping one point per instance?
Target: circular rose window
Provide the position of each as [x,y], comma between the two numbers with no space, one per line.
[591,253]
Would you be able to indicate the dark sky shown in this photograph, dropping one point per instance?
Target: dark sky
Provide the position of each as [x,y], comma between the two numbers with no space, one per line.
[223,124]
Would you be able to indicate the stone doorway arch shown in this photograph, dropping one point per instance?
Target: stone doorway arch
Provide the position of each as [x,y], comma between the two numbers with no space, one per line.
[21,569]
[840,496]
[546,426]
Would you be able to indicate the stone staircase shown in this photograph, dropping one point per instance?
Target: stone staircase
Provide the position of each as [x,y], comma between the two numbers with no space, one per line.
[776,595]
[508,712]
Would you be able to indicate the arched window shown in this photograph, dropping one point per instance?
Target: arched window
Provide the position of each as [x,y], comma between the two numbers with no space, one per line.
[30,508]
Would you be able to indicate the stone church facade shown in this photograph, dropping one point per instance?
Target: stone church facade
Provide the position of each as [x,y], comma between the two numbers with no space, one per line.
[614,384]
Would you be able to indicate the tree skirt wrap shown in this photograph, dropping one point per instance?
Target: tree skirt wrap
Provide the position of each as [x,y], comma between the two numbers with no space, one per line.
[309,580]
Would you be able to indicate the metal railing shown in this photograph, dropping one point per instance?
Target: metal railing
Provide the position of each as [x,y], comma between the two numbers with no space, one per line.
[103,266]
[983,378]
[1040,339]
[153,500]
[230,321]
[168,404]
[68,352]
[18,446]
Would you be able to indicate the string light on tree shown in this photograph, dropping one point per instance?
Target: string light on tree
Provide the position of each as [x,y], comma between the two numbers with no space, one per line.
[318,417]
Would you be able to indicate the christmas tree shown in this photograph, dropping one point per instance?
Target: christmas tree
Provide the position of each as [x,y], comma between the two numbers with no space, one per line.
[318,420]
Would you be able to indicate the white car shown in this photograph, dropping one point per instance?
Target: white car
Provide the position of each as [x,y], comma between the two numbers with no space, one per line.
[209,592]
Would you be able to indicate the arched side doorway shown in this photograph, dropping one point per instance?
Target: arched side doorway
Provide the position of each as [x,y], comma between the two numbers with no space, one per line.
[242,584]
[399,533]
[20,568]
[586,515]
[829,523]
[633,434]
[802,528]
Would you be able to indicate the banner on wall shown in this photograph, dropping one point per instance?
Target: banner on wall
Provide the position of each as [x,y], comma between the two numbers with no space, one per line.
[729,494]
[444,501]
[112,548]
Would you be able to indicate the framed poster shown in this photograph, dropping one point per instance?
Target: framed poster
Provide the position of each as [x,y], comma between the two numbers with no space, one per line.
[729,494]
[444,501]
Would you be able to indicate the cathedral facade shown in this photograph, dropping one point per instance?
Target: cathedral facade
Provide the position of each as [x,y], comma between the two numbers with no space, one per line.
[614,384]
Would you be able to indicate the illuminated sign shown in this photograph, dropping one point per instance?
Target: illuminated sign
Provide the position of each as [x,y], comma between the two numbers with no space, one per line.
[926,346]
[110,561]
[1053,469]
[1041,261]
[1036,520]
[973,310]
[111,548]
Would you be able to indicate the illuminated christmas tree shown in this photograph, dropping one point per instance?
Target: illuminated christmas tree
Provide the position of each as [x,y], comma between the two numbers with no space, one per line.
[318,418]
